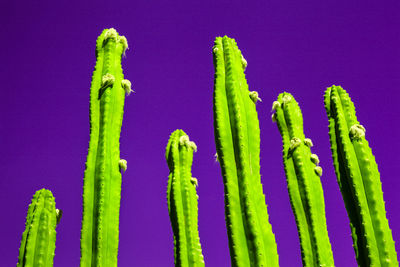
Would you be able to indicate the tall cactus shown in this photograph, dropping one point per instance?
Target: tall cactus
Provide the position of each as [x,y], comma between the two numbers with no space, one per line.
[304,185]
[182,200]
[39,238]
[102,179]
[359,181]
[237,138]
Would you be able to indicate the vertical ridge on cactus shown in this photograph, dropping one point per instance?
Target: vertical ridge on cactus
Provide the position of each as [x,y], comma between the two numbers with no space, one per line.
[237,138]
[102,178]
[359,181]
[304,185]
[39,238]
[182,200]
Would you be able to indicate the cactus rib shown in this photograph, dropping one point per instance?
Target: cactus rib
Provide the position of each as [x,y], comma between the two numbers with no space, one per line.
[182,200]
[304,185]
[237,138]
[102,178]
[359,181]
[39,238]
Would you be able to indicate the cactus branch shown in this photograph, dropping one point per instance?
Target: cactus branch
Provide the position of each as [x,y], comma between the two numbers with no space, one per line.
[359,181]
[102,180]
[304,185]
[237,138]
[182,200]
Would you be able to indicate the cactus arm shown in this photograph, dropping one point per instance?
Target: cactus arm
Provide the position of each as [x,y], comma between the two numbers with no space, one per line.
[182,201]
[345,187]
[102,179]
[39,238]
[251,240]
[299,161]
[375,243]
[295,191]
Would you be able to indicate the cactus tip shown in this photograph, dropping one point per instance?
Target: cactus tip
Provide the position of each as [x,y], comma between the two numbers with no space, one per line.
[124,42]
[286,99]
[357,131]
[183,140]
[318,170]
[308,142]
[215,49]
[107,79]
[244,63]
[110,34]
[273,117]
[295,142]
[216,157]
[194,181]
[275,105]
[123,165]
[58,215]
[254,96]
[315,159]
[126,85]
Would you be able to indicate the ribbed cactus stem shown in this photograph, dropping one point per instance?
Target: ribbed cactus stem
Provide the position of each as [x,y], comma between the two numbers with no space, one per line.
[304,185]
[182,200]
[359,181]
[237,137]
[102,180]
[39,238]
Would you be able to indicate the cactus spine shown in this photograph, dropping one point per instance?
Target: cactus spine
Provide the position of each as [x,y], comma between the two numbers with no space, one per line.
[102,179]
[237,138]
[359,181]
[182,200]
[304,185]
[39,238]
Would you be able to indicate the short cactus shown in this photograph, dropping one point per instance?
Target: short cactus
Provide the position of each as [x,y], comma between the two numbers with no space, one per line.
[304,185]
[39,238]
[102,180]
[237,138]
[182,200]
[359,181]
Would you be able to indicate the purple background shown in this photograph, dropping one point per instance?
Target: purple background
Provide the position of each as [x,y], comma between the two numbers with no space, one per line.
[47,59]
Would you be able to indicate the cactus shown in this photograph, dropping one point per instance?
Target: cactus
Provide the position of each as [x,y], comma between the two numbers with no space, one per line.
[359,181]
[304,185]
[102,178]
[182,200]
[237,138]
[39,238]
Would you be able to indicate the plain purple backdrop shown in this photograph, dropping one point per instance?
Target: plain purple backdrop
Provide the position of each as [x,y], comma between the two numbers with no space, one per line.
[47,53]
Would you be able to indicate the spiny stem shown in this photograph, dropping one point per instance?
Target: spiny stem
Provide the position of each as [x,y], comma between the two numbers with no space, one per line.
[102,181]
[304,185]
[182,200]
[359,181]
[237,138]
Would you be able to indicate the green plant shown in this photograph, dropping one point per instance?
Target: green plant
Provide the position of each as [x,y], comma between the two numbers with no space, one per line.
[182,200]
[304,185]
[102,179]
[359,181]
[39,238]
[237,138]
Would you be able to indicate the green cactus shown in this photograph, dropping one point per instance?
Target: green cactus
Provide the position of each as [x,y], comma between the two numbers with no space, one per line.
[237,138]
[102,179]
[39,238]
[304,185]
[182,200]
[359,181]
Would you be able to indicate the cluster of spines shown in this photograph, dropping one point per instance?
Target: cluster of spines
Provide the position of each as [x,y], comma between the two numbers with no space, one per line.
[102,179]
[237,137]
[39,238]
[359,181]
[182,200]
[303,181]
